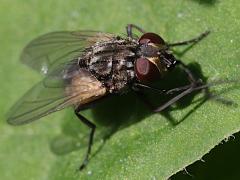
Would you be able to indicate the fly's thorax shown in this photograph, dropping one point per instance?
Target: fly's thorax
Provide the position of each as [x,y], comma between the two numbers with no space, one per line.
[113,63]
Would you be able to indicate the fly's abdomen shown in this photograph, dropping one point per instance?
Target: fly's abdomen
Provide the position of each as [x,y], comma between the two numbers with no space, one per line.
[84,88]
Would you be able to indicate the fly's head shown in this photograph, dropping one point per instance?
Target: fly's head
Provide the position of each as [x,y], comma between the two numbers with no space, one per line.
[154,59]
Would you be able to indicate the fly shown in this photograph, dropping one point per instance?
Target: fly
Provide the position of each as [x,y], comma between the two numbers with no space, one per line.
[82,67]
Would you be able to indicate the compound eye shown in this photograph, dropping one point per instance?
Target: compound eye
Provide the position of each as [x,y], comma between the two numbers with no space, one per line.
[151,38]
[145,70]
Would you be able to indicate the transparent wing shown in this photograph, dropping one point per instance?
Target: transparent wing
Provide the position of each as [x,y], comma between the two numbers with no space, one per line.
[49,50]
[72,86]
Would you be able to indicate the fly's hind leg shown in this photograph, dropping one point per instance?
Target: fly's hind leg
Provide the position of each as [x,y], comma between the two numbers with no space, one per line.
[90,142]
[130,27]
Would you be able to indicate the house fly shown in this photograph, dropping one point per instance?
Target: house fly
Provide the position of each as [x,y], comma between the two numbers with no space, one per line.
[81,67]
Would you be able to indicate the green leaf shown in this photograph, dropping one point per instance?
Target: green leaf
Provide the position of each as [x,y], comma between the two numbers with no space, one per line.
[142,145]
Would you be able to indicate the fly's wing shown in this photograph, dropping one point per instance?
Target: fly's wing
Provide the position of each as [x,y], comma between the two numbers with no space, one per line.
[49,50]
[62,88]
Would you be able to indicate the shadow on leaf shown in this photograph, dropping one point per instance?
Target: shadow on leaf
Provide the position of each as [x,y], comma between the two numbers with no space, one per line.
[121,111]
[206,2]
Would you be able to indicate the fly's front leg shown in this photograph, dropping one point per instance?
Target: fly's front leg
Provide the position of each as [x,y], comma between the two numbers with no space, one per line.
[130,27]
[137,87]
[184,90]
[193,81]
[194,40]
[174,99]
[143,98]
[90,142]
[193,86]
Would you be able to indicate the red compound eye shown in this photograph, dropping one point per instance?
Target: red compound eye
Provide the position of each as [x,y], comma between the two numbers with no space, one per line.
[145,70]
[151,37]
